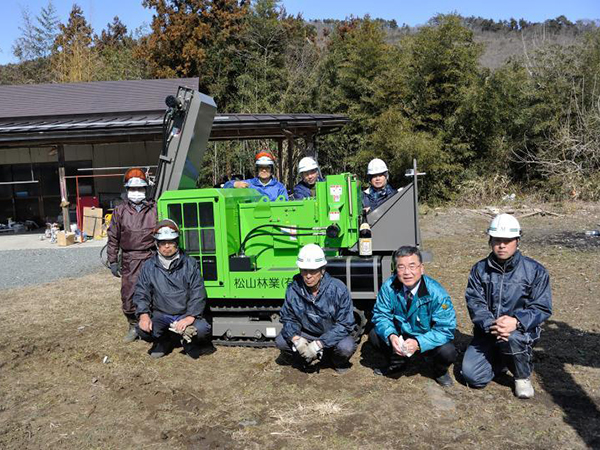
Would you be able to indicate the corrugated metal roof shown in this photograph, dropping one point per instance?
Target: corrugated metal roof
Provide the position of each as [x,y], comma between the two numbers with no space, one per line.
[100,97]
[112,111]
[148,126]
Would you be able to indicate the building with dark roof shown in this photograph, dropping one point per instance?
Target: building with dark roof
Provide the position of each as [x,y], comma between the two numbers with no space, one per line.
[103,125]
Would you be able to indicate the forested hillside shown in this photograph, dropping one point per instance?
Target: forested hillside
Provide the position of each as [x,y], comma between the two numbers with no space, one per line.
[486,107]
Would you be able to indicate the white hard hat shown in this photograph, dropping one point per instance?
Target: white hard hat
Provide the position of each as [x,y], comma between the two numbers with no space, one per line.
[166,230]
[135,182]
[376,166]
[504,226]
[306,164]
[311,256]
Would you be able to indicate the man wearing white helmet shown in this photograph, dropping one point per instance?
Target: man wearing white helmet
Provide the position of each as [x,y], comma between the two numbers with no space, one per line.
[309,171]
[317,314]
[170,297]
[130,231]
[508,296]
[264,181]
[379,191]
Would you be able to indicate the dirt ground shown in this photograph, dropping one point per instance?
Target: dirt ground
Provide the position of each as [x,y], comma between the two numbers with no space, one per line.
[67,381]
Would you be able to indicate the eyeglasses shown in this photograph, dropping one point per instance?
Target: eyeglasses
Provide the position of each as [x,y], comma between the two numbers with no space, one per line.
[411,267]
[264,168]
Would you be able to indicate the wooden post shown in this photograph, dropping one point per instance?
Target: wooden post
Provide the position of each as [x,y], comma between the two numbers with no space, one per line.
[64,196]
[290,161]
[280,158]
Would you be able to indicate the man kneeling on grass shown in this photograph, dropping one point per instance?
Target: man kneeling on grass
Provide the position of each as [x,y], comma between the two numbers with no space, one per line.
[317,316]
[170,298]
[413,315]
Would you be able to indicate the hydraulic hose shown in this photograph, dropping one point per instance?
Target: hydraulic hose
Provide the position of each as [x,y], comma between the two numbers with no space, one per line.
[253,233]
[243,247]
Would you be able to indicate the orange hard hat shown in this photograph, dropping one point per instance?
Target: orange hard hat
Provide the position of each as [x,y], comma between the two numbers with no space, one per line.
[264,158]
[134,172]
[135,178]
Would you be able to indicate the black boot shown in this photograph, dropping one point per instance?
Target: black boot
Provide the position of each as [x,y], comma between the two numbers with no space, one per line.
[132,334]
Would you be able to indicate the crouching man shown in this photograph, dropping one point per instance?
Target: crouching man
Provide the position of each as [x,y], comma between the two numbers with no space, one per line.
[170,297]
[413,315]
[508,296]
[317,315]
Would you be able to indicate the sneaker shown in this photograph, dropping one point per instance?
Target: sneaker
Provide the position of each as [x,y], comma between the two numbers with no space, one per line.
[444,380]
[524,388]
[341,370]
[131,335]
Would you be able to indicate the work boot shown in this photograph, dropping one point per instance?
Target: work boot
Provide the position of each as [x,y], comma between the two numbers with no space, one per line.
[392,369]
[524,388]
[341,370]
[444,380]
[160,349]
[132,334]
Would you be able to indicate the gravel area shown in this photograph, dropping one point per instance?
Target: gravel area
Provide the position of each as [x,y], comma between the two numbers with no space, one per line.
[37,266]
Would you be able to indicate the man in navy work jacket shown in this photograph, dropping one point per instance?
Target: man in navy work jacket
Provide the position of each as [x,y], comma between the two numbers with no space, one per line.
[413,315]
[508,296]
[317,314]
[170,297]
[264,181]
[309,171]
[379,191]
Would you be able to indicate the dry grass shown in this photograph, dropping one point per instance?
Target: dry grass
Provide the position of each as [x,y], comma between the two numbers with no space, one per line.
[55,391]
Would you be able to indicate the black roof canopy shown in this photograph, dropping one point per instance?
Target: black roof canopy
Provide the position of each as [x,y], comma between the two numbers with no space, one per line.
[117,111]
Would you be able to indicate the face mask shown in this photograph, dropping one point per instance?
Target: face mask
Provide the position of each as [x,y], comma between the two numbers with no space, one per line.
[136,196]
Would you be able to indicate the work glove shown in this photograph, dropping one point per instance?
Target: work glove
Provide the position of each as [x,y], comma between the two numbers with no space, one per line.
[314,352]
[114,268]
[300,346]
[187,334]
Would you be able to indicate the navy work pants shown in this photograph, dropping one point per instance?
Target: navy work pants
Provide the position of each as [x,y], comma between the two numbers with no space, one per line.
[340,354]
[486,357]
[442,356]
[160,330]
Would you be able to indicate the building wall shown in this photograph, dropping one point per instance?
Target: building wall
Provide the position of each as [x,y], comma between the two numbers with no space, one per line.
[40,201]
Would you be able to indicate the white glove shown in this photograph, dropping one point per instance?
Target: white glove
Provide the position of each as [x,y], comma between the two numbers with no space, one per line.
[300,345]
[173,329]
[313,352]
[188,333]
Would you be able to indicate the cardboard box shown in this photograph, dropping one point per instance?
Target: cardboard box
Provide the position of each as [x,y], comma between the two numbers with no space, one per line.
[92,222]
[63,239]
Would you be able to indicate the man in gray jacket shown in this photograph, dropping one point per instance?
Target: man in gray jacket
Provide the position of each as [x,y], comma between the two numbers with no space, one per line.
[170,297]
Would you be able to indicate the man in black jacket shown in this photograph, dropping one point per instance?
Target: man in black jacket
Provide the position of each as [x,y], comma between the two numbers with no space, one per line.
[170,297]
[317,314]
[508,296]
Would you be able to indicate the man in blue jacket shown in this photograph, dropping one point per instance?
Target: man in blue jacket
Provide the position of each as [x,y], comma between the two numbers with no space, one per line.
[309,171]
[413,315]
[508,296]
[317,314]
[264,181]
[379,191]
[170,297]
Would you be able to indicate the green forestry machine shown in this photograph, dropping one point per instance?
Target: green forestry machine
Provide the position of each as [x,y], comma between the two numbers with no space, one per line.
[247,246]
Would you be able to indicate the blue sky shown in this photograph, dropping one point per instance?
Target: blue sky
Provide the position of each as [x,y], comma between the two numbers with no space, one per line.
[131,12]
